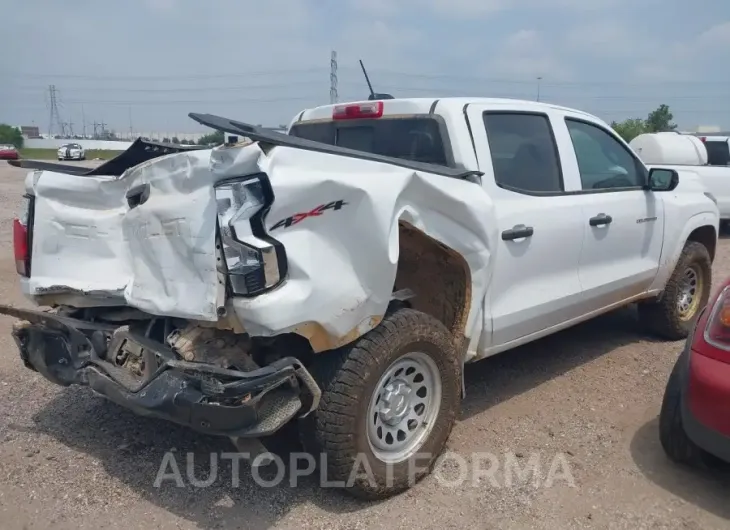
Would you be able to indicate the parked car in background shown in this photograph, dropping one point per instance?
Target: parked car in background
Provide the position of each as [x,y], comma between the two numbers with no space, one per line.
[689,154]
[718,150]
[694,423]
[71,152]
[8,152]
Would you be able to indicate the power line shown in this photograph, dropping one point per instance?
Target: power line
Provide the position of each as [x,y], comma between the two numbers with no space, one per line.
[166,77]
[178,89]
[355,71]
[190,101]
[532,81]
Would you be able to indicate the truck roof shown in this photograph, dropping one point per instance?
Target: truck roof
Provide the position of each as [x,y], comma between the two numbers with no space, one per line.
[410,106]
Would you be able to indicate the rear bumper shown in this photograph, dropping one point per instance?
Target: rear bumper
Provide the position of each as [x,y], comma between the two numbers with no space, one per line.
[202,396]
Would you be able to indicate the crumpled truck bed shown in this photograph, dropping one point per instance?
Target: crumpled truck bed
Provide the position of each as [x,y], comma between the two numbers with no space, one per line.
[158,257]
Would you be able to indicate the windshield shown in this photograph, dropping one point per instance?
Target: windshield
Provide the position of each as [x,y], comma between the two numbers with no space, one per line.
[718,152]
[6,147]
[413,138]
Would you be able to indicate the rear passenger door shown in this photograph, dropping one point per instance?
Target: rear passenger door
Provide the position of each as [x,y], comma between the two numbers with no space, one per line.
[622,221]
[535,284]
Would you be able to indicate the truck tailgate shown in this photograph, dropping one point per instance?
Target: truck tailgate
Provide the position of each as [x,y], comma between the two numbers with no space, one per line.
[159,256]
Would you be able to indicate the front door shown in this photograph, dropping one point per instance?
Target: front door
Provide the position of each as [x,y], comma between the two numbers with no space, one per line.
[622,221]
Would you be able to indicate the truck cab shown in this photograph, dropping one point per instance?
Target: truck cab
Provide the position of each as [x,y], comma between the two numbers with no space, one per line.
[580,232]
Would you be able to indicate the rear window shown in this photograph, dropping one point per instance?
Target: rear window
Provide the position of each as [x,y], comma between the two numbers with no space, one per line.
[718,153]
[415,139]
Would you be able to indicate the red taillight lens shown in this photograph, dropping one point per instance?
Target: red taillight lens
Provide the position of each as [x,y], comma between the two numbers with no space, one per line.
[21,238]
[20,246]
[371,109]
[717,328]
[703,139]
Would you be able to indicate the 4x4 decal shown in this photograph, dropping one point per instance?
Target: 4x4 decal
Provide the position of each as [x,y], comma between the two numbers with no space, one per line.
[299,217]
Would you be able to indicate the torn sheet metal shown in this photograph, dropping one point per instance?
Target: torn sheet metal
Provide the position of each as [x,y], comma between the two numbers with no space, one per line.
[160,256]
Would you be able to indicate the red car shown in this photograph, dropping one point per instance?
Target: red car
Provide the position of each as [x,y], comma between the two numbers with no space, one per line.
[694,423]
[8,152]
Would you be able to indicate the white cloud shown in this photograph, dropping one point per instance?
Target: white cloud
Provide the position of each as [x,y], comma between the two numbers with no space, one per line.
[686,60]
[526,55]
[482,8]
[606,39]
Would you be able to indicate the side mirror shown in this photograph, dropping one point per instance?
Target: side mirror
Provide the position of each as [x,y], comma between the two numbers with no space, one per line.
[663,179]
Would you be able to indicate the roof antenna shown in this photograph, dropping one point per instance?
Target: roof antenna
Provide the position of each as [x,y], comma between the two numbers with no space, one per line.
[373,95]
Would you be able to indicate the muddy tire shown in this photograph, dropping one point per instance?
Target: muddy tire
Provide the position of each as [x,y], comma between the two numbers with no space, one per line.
[686,293]
[675,442]
[389,402]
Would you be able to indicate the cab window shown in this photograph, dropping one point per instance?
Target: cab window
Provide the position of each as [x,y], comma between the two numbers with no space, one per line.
[524,154]
[603,161]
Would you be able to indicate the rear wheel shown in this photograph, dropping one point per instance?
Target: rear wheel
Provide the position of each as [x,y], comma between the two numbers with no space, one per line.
[674,439]
[389,402]
[686,293]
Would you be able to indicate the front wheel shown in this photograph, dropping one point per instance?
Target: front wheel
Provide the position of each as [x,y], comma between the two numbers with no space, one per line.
[685,295]
[389,402]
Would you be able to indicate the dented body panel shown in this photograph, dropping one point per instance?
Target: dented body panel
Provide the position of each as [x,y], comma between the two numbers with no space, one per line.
[159,256]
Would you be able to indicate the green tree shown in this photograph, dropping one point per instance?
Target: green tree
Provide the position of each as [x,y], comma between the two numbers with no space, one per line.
[175,140]
[212,138]
[10,135]
[629,129]
[660,120]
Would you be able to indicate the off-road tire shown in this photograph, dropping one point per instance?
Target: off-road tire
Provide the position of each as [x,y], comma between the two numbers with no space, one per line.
[675,442]
[348,376]
[662,317]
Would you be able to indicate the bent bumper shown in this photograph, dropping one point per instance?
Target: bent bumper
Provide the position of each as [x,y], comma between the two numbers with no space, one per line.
[202,396]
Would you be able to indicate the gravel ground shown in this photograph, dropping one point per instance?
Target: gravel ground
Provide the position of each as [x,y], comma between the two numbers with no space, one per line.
[69,459]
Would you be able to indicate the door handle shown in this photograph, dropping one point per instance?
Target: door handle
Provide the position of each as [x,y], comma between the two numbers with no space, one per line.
[517,232]
[600,220]
[138,195]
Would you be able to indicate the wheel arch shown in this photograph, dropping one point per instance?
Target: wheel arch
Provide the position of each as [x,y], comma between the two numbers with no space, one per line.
[707,236]
[438,276]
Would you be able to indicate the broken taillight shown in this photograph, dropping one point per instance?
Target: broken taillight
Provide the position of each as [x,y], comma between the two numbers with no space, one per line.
[714,340]
[21,238]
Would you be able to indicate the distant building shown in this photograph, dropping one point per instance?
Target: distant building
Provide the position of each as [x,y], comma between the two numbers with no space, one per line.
[30,131]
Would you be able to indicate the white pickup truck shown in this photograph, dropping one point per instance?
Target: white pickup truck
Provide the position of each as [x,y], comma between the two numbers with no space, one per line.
[343,274]
[690,155]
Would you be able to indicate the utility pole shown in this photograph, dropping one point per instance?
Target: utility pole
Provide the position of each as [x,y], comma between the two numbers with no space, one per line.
[333,77]
[539,79]
[131,134]
[83,122]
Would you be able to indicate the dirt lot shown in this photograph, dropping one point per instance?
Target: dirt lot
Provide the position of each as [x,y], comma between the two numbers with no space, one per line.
[69,459]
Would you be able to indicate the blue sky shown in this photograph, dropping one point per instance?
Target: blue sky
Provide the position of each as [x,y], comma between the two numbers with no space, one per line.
[262,61]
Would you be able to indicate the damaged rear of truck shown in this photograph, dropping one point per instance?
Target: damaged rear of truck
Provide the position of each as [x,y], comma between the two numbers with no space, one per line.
[237,289]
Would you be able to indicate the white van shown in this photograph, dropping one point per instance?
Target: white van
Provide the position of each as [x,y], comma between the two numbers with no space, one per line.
[689,152]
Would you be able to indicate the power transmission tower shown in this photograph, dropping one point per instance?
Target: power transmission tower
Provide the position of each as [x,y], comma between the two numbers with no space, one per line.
[55,118]
[333,77]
